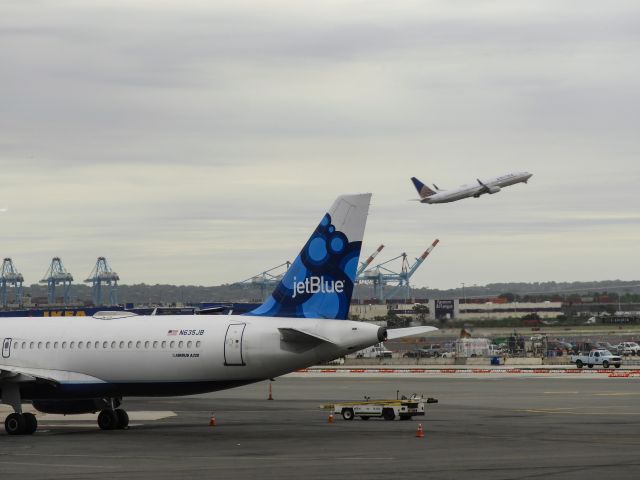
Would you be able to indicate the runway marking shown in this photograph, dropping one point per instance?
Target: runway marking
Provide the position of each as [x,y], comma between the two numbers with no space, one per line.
[61,465]
[562,393]
[163,457]
[615,394]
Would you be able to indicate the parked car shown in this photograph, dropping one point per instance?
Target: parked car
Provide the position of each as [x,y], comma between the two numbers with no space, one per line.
[375,351]
[416,353]
[429,351]
[628,348]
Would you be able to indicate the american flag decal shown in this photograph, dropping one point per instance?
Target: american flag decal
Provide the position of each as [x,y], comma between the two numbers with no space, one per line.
[172,332]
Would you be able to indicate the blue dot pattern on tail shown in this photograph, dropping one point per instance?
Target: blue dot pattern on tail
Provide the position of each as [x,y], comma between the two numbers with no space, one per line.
[319,283]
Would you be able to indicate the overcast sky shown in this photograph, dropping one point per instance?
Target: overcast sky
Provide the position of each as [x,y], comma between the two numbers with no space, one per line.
[201,142]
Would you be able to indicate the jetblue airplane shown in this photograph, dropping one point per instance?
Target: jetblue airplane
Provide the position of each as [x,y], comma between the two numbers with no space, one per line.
[72,365]
[491,186]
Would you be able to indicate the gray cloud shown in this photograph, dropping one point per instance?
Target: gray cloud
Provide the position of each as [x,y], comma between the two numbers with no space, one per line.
[167,136]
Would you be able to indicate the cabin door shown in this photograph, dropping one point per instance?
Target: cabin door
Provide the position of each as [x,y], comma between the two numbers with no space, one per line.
[233,345]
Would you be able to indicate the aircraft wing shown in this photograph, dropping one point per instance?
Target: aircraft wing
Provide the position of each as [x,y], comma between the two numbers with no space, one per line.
[484,188]
[407,332]
[9,373]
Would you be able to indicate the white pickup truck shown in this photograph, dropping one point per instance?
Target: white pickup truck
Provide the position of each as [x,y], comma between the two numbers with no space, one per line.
[596,357]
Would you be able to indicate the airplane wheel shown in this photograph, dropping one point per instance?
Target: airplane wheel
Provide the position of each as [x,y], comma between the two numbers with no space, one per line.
[108,420]
[15,424]
[31,424]
[123,419]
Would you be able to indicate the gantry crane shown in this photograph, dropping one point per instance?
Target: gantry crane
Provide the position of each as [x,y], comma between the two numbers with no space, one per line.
[56,274]
[365,264]
[102,273]
[380,275]
[267,280]
[10,277]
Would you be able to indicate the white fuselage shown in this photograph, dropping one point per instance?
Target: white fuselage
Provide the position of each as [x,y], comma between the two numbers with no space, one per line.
[168,355]
[475,190]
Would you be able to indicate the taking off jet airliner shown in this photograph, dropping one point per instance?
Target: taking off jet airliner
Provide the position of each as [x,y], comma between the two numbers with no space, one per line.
[71,365]
[493,185]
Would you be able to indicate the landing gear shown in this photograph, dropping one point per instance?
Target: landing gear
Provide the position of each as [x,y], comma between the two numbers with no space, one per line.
[110,419]
[17,423]
[21,424]
[31,424]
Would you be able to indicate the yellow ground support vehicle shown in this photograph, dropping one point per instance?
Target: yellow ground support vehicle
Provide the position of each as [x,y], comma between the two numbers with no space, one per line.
[403,408]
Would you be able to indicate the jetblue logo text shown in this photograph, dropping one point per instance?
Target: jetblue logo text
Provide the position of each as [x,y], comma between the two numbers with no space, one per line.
[317,285]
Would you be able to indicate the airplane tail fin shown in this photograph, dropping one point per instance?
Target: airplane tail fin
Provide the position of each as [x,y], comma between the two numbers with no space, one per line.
[320,281]
[422,189]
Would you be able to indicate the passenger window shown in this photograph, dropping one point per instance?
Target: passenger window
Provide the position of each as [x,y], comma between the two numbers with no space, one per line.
[80,344]
[180,343]
[64,344]
[105,344]
[88,344]
[96,345]
[31,345]
[146,344]
[55,345]
[189,344]
[72,344]
[130,345]
[121,344]
[47,345]
[39,345]
[155,344]
[172,344]
[138,344]
[164,344]
[24,345]
[15,346]
[198,343]
[113,344]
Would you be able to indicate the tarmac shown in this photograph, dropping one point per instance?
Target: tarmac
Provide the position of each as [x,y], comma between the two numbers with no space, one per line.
[484,427]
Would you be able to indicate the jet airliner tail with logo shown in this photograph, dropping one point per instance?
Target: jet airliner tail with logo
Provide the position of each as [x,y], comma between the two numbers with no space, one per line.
[422,189]
[319,283]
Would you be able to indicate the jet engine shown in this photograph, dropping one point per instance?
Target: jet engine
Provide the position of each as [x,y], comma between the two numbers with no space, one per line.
[71,407]
[494,190]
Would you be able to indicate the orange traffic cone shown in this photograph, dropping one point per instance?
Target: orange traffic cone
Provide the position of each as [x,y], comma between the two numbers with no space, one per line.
[330,419]
[270,393]
[212,420]
[420,432]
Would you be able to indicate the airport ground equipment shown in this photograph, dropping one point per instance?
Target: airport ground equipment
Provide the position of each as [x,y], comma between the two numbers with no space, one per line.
[596,357]
[57,275]
[381,275]
[10,277]
[403,408]
[102,273]
[268,279]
